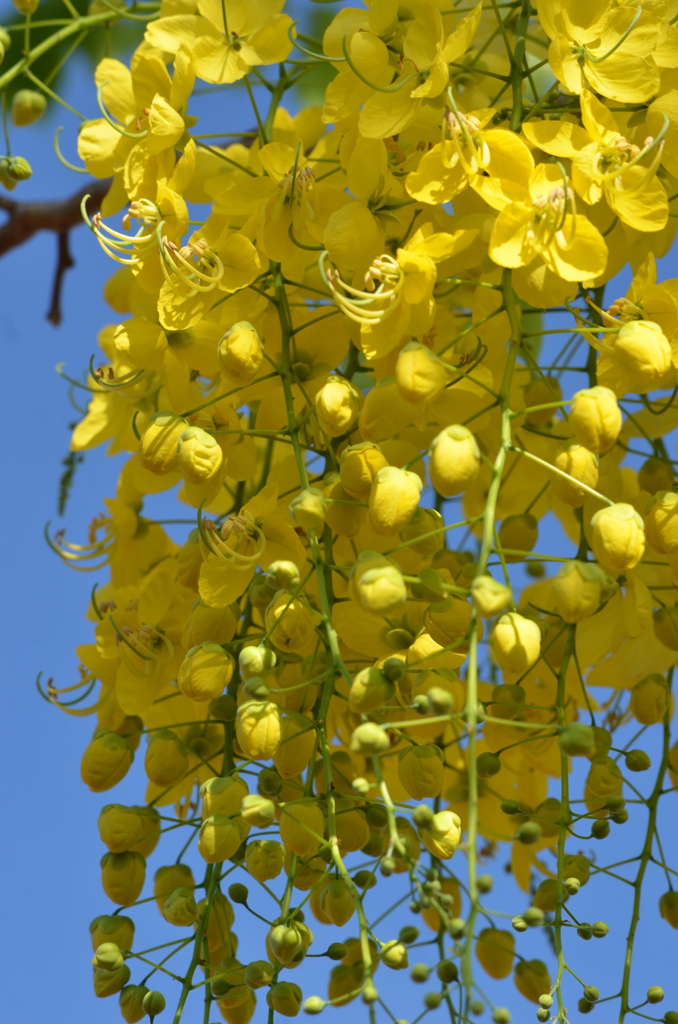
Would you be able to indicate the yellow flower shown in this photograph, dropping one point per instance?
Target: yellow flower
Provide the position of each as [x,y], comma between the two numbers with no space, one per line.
[602,47]
[256,34]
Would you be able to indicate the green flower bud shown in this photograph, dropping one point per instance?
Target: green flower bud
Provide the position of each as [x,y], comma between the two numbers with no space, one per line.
[533,917]
[637,761]
[309,509]
[238,893]
[258,974]
[510,807]
[26,6]
[336,951]
[314,1004]
[620,817]
[577,740]
[258,810]
[108,957]
[488,765]
[600,828]
[368,738]
[408,934]
[394,955]
[584,1006]
[420,973]
[528,833]
[387,866]
[670,1017]
[285,998]
[180,908]
[546,1000]
[457,927]
[584,931]
[154,1003]
[28,106]
[501,1015]
[422,816]
[14,168]
[571,886]
[615,802]
[599,929]
[269,782]
[447,971]
[543,1014]
[256,688]
[518,923]
[591,994]
[655,994]
[432,1000]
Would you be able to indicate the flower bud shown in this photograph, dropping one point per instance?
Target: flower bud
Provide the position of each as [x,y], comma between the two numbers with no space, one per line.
[180,907]
[199,456]
[637,761]
[394,955]
[655,474]
[394,496]
[618,537]
[5,43]
[661,522]
[650,699]
[285,998]
[219,838]
[205,672]
[518,533]
[420,374]
[154,1003]
[370,690]
[578,590]
[665,624]
[285,942]
[529,832]
[488,765]
[515,643]
[368,738]
[216,625]
[264,859]
[580,464]
[240,353]
[106,761]
[309,509]
[655,994]
[641,355]
[337,405]
[427,524]
[258,729]
[108,957]
[494,950]
[223,796]
[28,106]
[257,810]
[122,877]
[577,740]
[120,828]
[258,974]
[376,584]
[443,835]
[314,1005]
[599,929]
[358,466]
[167,759]
[131,1003]
[595,418]
[159,445]
[454,460]
[14,168]
[283,575]
[238,893]
[489,597]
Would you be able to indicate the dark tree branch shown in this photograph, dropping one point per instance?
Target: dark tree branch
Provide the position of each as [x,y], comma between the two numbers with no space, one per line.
[26,219]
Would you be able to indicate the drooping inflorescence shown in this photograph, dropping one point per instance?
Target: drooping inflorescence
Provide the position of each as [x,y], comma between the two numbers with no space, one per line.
[365,347]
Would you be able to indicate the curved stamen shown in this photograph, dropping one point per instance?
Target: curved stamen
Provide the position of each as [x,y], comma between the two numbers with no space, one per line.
[61,158]
[310,53]
[114,124]
[378,88]
[629,30]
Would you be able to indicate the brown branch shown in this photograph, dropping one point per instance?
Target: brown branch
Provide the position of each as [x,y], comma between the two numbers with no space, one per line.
[26,219]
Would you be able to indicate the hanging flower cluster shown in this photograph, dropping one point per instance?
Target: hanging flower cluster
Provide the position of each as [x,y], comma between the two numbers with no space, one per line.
[329,348]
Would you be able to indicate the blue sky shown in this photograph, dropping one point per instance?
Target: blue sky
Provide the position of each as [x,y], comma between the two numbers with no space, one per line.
[51,850]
